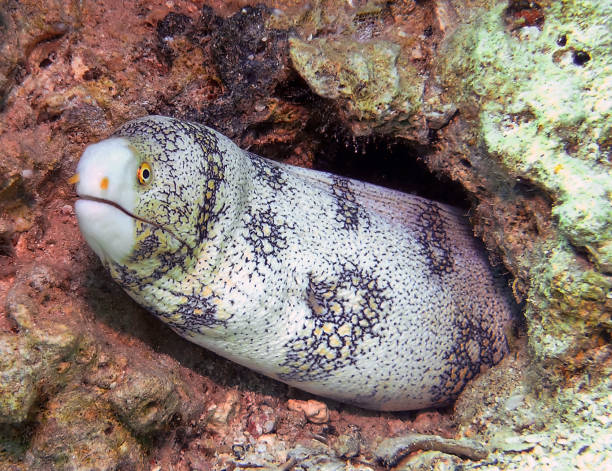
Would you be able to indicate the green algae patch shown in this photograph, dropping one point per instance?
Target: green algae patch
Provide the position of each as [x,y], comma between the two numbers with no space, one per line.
[540,97]
[77,427]
[30,363]
[544,115]
[374,85]
[569,305]
[17,391]
[151,397]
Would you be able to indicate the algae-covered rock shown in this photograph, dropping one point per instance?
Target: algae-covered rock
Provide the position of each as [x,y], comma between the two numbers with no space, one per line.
[17,381]
[566,429]
[538,97]
[148,397]
[78,431]
[32,362]
[66,402]
[373,83]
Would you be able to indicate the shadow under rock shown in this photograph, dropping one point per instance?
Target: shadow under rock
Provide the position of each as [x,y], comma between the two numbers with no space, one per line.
[114,308]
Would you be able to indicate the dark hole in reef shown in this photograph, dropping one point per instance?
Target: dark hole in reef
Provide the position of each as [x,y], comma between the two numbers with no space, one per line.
[329,430]
[581,57]
[6,246]
[92,74]
[45,63]
[562,40]
[521,13]
[395,165]
[384,162]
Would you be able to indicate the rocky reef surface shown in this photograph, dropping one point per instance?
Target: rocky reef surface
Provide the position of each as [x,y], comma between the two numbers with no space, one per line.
[502,108]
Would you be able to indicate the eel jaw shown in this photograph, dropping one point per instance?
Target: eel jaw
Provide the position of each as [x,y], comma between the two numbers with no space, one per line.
[109,228]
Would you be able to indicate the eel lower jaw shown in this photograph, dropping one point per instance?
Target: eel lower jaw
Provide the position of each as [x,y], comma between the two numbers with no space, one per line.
[134,216]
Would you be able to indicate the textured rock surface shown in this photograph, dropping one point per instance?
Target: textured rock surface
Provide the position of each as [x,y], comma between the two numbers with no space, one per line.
[566,429]
[510,99]
[540,112]
[375,86]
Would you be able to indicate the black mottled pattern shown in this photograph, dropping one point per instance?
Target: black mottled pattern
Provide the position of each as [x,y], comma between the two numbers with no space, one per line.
[474,346]
[150,246]
[146,247]
[195,311]
[345,311]
[266,235]
[128,278]
[348,211]
[162,140]
[434,240]
[133,280]
[266,172]
[209,164]
[169,260]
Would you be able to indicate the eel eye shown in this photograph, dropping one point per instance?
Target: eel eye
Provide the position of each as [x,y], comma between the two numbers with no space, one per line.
[144,173]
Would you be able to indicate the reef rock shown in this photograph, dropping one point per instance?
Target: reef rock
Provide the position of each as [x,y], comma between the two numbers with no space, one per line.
[500,107]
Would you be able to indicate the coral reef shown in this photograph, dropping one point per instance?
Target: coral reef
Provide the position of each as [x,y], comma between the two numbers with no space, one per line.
[376,89]
[541,114]
[509,100]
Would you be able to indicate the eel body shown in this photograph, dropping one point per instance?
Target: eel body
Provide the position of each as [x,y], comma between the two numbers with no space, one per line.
[341,288]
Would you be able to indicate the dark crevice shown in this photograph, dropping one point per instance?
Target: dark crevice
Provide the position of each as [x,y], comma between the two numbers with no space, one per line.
[383,161]
[46,62]
[395,165]
[583,256]
[253,64]
[295,90]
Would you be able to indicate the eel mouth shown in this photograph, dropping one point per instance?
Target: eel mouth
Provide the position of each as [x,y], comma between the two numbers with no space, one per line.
[134,216]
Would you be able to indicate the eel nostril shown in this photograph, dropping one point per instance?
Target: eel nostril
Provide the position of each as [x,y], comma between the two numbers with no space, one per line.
[104,183]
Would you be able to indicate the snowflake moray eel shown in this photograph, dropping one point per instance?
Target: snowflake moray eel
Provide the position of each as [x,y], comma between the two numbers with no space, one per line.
[354,292]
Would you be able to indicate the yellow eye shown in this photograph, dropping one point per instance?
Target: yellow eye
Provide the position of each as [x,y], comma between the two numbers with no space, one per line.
[144,173]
